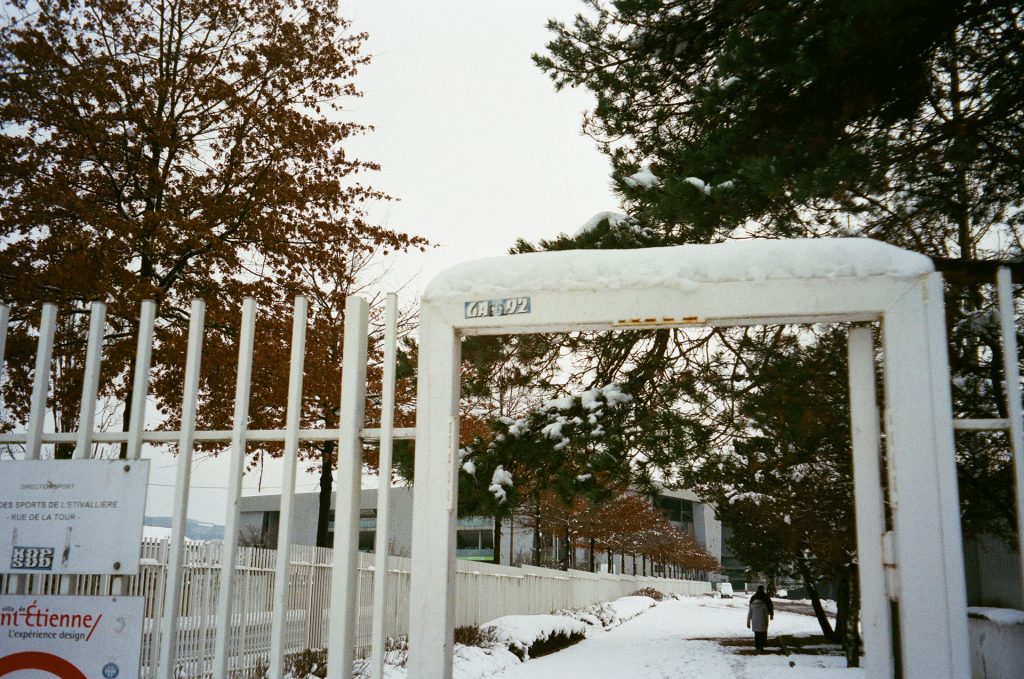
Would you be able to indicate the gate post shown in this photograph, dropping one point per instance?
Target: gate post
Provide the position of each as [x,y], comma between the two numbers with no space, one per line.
[869,502]
[922,486]
[432,595]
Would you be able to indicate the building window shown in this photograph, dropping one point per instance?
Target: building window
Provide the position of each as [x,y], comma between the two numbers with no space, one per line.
[474,539]
[676,509]
[474,543]
[268,528]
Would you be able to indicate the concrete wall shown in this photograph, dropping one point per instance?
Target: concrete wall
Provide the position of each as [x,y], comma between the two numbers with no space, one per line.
[305,510]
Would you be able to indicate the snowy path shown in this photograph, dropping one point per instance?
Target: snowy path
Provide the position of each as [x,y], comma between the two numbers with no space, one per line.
[663,643]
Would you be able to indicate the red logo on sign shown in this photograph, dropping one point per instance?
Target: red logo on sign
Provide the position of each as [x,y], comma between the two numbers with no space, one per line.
[34,660]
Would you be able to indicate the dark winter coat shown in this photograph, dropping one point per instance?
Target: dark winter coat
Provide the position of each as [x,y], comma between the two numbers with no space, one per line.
[758,615]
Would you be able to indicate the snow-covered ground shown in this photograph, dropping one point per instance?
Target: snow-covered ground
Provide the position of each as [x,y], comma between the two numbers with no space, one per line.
[666,641]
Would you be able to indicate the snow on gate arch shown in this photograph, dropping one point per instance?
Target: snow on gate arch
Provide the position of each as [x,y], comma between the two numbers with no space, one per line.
[736,283]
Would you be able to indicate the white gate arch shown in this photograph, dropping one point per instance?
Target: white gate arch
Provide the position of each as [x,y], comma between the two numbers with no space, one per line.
[729,284]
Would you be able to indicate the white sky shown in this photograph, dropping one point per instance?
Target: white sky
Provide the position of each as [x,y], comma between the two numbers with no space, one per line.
[472,139]
[471,136]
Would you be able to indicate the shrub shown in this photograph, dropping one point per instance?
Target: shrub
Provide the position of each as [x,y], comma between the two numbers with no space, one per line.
[310,662]
[649,591]
[307,662]
[471,635]
[555,642]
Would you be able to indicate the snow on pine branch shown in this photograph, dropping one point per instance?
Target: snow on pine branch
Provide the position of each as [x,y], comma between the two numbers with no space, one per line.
[500,478]
[756,498]
[613,219]
[644,179]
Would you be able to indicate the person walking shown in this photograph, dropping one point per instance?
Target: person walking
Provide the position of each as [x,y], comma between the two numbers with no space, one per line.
[759,612]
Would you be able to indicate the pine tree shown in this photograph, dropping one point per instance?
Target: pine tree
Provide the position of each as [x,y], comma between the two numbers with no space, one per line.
[899,121]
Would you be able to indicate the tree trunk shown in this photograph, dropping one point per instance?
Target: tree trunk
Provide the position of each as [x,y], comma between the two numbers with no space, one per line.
[812,591]
[593,556]
[511,540]
[496,557]
[851,635]
[126,417]
[536,535]
[564,565]
[324,507]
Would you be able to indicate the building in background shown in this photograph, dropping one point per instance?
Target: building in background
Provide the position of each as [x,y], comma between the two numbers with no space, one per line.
[260,520]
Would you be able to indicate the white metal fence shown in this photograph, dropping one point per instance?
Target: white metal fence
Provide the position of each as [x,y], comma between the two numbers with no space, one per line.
[483,592]
[182,582]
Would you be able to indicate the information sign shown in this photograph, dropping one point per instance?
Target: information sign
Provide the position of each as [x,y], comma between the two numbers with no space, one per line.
[70,637]
[72,516]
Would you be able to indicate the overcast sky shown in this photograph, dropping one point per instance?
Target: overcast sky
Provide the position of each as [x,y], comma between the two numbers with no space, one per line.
[473,141]
[471,136]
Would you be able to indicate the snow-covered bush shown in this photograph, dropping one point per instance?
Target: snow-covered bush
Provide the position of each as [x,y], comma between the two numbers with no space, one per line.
[535,635]
[605,616]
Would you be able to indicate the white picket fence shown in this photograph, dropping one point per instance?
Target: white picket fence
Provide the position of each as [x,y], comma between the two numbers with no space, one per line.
[483,592]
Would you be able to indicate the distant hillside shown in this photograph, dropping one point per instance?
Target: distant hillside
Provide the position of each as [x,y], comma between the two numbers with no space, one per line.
[194,530]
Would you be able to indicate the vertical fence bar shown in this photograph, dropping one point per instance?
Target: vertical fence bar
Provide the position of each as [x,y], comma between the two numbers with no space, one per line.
[955,590]
[284,529]
[387,425]
[229,553]
[90,381]
[1011,378]
[344,578]
[41,381]
[140,385]
[190,397]
[870,510]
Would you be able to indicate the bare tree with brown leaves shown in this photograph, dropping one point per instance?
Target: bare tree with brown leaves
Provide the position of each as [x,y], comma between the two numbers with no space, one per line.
[173,149]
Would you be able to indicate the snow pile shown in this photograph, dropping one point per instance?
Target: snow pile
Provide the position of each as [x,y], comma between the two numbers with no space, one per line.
[682,268]
[629,607]
[474,662]
[1000,616]
[521,632]
[605,616]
